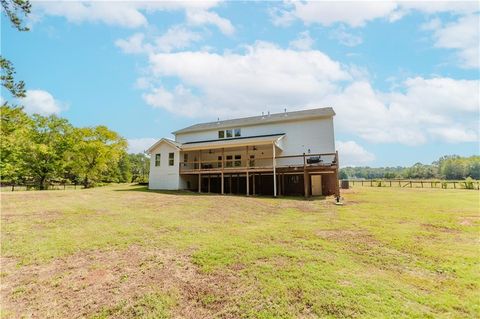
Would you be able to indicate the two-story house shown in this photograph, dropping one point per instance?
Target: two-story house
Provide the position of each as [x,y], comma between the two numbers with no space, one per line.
[290,153]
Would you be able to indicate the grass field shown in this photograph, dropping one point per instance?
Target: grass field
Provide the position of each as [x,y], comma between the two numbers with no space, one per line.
[124,252]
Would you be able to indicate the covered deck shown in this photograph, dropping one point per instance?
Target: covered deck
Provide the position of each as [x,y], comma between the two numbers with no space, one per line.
[257,166]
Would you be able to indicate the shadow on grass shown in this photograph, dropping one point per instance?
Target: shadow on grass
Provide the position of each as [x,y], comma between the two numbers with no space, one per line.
[141,188]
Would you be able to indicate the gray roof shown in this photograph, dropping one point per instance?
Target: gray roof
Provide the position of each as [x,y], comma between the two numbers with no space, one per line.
[255,120]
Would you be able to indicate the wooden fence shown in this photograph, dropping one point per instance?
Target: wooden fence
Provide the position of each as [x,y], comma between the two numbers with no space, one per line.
[27,187]
[463,184]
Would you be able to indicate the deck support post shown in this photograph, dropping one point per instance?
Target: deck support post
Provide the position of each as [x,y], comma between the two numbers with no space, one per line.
[208,183]
[247,178]
[253,184]
[230,184]
[199,182]
[223,165]
[274,164]
[305,177]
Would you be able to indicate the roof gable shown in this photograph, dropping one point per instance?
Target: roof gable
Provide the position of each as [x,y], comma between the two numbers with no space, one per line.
[167,141]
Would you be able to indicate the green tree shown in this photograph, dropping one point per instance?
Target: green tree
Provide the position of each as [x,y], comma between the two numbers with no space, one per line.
[95,150]
[50,138]
[140,167]
[14,133]
[12,9]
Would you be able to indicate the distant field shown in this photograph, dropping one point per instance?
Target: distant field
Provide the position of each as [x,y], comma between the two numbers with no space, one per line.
[124,252]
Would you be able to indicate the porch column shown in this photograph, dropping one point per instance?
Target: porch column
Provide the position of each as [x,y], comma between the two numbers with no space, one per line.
[274,163]
[247,178]
[253,184]
[223,165]
[305,177]
[199,182]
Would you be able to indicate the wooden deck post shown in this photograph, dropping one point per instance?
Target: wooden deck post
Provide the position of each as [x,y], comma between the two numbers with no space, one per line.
[199,182]
[247,178]
[305,177]
[230,184]
[223,165]
[274,164]
[208,183]
[253,184]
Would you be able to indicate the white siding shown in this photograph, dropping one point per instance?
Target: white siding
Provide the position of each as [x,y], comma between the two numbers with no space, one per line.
[316,135]
[164,176]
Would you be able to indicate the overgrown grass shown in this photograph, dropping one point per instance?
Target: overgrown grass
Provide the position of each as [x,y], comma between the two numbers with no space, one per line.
[388,252]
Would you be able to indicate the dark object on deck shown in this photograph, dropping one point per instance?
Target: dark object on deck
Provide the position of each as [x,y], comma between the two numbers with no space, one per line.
[314,160]
[344,184]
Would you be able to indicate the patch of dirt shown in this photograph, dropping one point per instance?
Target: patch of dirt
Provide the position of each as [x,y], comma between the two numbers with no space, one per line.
[440,228]
[82,285]
[469,221]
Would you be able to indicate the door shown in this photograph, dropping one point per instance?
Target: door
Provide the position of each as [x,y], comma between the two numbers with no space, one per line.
[316,185]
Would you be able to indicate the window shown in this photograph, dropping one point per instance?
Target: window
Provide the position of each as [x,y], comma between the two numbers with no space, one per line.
[171,159]
[229,133]
[229,161]
[238,160]
[185,160]
[221,134]
[219,163]
[157,159]
[252,161]
[237,132]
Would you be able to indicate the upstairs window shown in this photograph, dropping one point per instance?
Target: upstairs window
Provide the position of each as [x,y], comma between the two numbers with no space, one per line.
[237,132]
[221,134]
[229,133]
[171,159]
[157,159]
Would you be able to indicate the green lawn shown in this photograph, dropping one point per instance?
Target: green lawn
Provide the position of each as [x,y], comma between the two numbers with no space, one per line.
[125,252]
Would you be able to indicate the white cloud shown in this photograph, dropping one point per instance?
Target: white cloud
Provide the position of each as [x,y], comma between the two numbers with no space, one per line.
[177,37]
[130,14]
[358,13]
[125,14]
[352,13]
[346,38]
[268,78]
[40,102]
[139,145]
[132,45]
[462,35]
[202,17]
[265,76]
[303,42]
[352,154]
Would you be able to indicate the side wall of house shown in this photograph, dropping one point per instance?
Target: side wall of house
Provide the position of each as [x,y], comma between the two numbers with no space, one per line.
[164,176]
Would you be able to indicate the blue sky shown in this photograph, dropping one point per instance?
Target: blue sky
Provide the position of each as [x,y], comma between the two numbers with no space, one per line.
[403,77]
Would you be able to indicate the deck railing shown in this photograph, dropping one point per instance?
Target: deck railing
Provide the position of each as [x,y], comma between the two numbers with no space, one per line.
[268,162]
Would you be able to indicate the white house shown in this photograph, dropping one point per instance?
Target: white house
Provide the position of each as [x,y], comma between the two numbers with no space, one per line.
[290,153]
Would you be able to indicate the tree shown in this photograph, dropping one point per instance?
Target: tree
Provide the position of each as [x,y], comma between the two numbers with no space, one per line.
[50,138]
[140,167]
[95,150]
[12,8]
[14,132]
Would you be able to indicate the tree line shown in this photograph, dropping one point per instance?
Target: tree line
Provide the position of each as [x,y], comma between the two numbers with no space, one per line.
[449,167]
[40,150]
